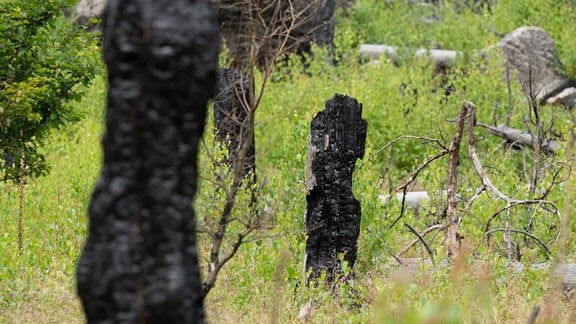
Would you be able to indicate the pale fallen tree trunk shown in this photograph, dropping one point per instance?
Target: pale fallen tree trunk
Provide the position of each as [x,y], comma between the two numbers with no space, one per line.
[411,267]
[413,199]
[522,138]
[531,51]
[440,57]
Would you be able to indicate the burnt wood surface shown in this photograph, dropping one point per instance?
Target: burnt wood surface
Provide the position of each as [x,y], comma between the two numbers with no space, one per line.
[273,25]
[332,220]
[139,263]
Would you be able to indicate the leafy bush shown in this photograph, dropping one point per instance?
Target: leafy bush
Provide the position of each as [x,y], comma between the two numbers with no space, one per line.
[44,59]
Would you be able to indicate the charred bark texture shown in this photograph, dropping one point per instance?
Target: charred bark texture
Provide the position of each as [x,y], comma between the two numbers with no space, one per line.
[140,263]
[319,28]
[332,220]
[274,25]
[233,118]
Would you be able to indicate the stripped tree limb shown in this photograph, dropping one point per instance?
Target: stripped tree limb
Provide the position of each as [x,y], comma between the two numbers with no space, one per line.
[476,161]
[424,140]
[540,203]
[521,138]
[477,194]
[404,187]
[451,229]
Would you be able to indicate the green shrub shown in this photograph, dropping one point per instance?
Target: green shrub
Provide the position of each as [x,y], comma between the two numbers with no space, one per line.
[44,58]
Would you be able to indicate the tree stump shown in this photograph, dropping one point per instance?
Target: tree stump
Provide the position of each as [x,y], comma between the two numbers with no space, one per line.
[140,263]
[234,120]
[332,220]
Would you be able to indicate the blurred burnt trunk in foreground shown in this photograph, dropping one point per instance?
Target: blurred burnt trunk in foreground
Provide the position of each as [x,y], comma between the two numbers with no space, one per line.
[140,263]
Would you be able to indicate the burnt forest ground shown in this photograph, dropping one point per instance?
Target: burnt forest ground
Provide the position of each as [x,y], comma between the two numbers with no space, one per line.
[262,283]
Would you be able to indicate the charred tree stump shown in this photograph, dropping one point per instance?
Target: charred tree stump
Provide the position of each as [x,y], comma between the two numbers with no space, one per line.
[234,120]
[332,220]
[140,263]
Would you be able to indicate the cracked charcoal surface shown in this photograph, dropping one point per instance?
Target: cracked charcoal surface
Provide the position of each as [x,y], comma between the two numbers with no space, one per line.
[233,88]
[332,221]
[140,263]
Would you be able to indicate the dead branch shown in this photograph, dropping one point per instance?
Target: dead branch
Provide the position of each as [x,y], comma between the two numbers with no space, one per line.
[522,138]
[422,139]
[421,239]
[510,202]
[532,236]
[476,195]
[451,228]
[404,187]
[476,161]
[410,180]
[424,232]
[540,203]
[419,169]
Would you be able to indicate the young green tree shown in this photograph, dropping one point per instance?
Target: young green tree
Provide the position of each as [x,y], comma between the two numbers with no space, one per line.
[43,60]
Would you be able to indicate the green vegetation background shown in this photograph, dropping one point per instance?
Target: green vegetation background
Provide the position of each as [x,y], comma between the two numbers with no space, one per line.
[259,285]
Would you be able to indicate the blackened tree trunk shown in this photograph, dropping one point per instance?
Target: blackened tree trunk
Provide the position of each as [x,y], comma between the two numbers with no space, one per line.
[140,263]
[332,221]
[319,27]
[258,32]
[233,119]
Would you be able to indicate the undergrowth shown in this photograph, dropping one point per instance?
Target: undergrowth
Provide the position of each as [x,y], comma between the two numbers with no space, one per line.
[263,283]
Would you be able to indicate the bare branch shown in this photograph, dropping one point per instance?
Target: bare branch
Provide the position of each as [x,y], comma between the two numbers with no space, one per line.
[451,228]
[510,203]
[532,236]
[410,180]
[419,169]
[421,239]
[424,232]
[424,140]
[476,161]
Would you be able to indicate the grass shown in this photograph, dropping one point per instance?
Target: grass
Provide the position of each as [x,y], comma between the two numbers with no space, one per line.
[262,284]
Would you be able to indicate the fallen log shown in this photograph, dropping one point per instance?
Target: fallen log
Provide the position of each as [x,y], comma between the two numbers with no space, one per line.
[521,138]
[412,199]
[440,57]
[411,267]
[529,50]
